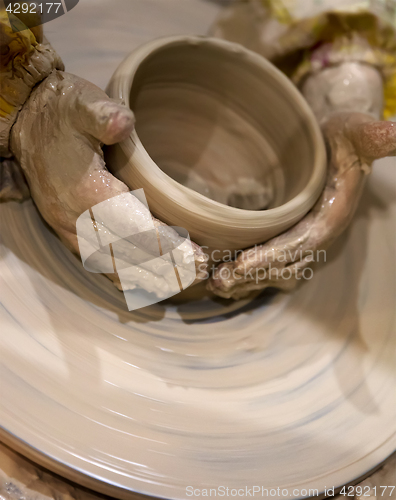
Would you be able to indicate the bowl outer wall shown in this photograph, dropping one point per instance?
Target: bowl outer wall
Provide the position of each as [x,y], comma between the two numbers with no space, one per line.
[209,223]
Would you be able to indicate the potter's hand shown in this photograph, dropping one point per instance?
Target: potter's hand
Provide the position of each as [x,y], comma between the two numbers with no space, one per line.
[342,63]
[354,141]
[57,141]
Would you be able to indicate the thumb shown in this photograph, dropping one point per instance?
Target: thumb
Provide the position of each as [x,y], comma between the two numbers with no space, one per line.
[94,113]
[375,139]
[107,121]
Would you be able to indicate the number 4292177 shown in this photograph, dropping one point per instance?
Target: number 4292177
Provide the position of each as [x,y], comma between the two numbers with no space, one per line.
[367,491]
[33,8]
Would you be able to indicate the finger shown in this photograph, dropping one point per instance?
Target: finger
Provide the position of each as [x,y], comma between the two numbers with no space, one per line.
[107,121]
[375,139]
[96,114]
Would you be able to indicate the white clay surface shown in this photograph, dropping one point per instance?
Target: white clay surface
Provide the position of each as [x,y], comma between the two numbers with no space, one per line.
[112,393]
[20,478]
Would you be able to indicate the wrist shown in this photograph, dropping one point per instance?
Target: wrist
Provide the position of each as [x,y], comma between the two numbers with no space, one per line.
[25,62]
[347,74]
[347,87]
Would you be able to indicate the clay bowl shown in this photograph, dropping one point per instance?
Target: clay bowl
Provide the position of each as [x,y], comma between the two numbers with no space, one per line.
[224,146]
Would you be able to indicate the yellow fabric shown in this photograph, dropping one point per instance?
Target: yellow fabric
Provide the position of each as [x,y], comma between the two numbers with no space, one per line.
[20,44]
[340,23]
[298,10]
[5,108]
[278,10]
[390,97]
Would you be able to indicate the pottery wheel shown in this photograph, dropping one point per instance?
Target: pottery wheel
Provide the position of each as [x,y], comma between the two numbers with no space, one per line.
[292,391]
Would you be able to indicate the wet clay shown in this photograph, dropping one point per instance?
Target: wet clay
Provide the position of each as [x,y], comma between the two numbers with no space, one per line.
[224,145]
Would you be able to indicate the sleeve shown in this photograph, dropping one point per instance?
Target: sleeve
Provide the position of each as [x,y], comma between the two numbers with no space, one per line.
[26,59]
[25,62]
[290,32]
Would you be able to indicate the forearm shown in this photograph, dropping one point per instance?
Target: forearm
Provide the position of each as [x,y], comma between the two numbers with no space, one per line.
[347,87]
[26,60]
[354,140]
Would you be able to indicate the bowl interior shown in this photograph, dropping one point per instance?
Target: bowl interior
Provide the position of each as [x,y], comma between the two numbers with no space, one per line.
[218,122]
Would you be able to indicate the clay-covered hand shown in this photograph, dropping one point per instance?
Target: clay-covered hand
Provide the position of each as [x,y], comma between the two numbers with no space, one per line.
[26,59]
[57,140]
[354,141]
[341,63]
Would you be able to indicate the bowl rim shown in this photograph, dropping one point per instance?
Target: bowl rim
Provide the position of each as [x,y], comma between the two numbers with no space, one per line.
[120,87]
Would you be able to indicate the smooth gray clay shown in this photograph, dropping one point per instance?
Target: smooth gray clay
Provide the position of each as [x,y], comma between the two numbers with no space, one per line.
[224,145]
